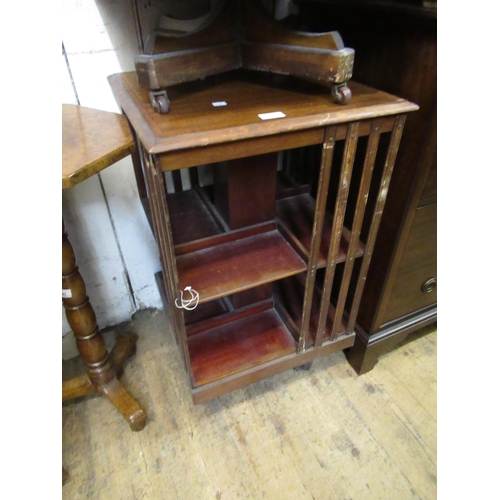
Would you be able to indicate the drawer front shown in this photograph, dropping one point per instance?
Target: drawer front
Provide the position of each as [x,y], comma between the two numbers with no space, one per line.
[429,193]
[415,285]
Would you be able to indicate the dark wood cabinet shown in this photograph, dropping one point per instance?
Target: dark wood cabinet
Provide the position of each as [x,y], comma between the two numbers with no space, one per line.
[395,44]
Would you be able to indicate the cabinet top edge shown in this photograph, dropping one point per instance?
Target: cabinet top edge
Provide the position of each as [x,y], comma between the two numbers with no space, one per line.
[193,121]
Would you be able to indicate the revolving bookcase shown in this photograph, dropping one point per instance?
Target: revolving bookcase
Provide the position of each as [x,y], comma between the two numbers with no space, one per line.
[274,257]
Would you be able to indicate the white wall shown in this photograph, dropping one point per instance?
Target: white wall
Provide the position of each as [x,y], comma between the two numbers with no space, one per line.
[107,228]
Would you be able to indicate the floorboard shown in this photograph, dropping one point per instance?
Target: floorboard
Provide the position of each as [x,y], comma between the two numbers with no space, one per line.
[321,434]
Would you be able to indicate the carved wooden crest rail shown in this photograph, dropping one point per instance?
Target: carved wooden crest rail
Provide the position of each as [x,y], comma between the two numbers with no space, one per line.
[241,34]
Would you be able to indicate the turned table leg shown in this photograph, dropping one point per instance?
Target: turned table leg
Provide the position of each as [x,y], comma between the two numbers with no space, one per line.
[101,367]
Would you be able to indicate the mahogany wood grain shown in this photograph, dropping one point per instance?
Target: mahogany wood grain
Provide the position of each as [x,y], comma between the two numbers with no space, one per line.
[191,219]
[319,216]
[91,141]
[429,192]
[418,264]
[289,293]
[363,192]
[297,213]
[162,70]
[322,65]
[207,196]
[236,42]
[234,179]
[249,147]
[305,105]
[238,265]
[252,296]
[268,369]
[228,317]
[337,226]
[160,231]
[227,237]
[364,354]
[238,149]
[239,345]
[377,215]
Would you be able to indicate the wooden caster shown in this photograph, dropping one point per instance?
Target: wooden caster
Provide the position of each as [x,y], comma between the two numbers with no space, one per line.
[341,93]
[159,101]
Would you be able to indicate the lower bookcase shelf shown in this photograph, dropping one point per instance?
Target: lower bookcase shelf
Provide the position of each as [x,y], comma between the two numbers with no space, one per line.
[237,341]
[229,347]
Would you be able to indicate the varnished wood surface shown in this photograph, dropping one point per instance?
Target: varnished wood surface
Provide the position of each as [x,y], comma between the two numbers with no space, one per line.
[91,141]
[238,265]
[290,293]
[238,345]
[324,433]
[191,220]
[418,264]
[193,122]
[297,215]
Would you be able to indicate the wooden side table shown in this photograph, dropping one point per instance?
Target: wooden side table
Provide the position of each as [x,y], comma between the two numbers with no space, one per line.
[91,141]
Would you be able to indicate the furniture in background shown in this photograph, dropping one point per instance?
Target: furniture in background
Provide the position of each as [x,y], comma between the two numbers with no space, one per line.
[91,141]
[395,44]
[257,267]
[239,34]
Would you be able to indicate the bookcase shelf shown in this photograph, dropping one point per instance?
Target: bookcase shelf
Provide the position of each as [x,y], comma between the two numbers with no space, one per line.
[234,266]
[236,342]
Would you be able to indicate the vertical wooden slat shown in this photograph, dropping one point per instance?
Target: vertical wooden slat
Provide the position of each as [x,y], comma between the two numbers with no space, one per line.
[377,215]
[337,225]
[319,216]
[157,231]
[161,228]
[364,188]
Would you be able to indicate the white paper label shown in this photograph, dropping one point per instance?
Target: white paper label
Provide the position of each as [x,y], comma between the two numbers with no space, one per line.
[219,104]
[66,294]
[270,116]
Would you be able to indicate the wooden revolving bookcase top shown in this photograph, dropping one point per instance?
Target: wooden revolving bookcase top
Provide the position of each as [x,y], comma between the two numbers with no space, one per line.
[241,34]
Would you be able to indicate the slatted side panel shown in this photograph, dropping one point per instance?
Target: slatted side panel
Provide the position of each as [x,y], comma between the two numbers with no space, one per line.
[319,215]
[346,197]
[338,224]
[376,216]
[361,201]
[163,234]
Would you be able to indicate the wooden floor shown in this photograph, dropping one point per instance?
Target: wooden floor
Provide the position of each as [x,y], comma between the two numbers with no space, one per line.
[320,434]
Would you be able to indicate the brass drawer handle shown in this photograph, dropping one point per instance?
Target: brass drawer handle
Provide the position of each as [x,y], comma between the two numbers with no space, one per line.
[429,285]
